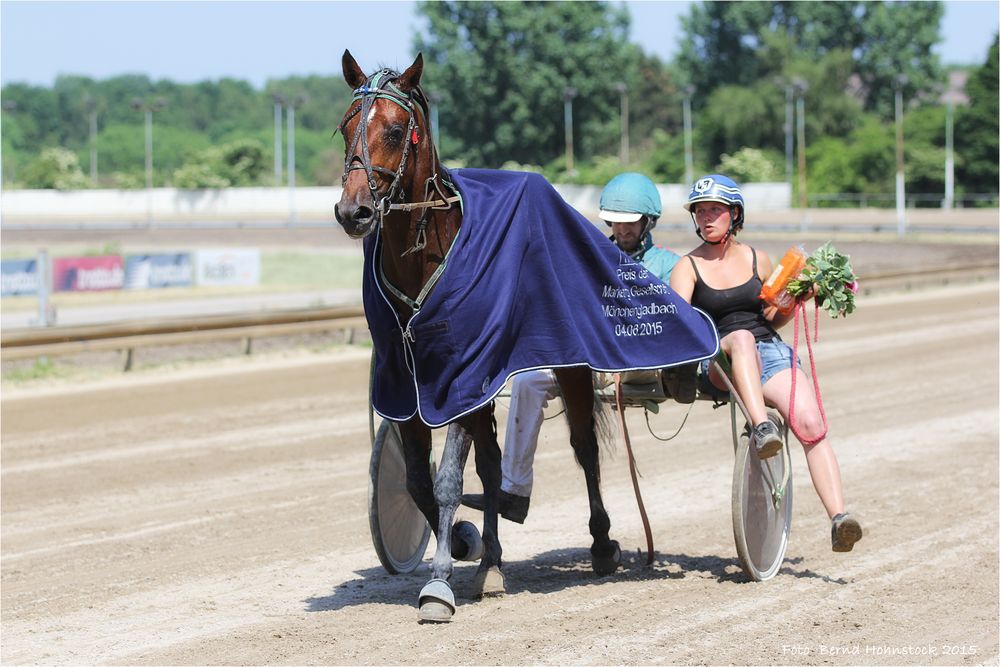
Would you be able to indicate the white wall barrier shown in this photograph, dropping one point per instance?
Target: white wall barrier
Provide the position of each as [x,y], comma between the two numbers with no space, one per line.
[276,204]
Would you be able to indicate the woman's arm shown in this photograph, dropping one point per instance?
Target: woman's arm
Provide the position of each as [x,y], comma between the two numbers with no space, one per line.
[682,279]
[764,269]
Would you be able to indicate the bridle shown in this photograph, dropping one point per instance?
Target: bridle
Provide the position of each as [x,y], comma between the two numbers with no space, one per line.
[381,85]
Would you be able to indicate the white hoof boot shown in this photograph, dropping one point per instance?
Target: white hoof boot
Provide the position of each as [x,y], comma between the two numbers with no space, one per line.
[437,602]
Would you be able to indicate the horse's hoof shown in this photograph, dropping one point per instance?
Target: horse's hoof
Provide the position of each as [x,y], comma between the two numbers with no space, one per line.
[605,565]
[490,583]
[436,602]
[466,542]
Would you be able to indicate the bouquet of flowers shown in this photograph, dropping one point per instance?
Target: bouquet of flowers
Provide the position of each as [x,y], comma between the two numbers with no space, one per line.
[830,273]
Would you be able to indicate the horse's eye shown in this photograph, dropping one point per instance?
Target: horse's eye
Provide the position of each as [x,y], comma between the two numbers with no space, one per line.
[394,135]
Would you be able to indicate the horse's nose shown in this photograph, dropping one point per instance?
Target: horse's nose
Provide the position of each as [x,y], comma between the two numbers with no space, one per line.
[349,213]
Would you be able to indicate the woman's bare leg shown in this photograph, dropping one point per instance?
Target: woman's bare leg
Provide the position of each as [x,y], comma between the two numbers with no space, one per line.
[741,348]
[820,457]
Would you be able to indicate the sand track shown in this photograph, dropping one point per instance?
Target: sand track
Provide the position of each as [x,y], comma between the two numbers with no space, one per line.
[220,518]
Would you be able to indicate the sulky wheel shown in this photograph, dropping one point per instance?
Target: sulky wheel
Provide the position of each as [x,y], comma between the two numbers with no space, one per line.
[399,530]
[762,507]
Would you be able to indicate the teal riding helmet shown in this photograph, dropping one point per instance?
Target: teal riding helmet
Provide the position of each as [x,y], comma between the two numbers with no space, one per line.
[629,197]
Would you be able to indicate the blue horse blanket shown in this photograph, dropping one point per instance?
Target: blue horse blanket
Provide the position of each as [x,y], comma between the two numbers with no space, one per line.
[528,283]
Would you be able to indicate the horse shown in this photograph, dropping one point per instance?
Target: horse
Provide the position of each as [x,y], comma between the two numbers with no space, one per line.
[393,181]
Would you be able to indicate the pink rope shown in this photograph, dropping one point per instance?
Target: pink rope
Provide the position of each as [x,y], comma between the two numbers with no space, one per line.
[800,308]
[816,321]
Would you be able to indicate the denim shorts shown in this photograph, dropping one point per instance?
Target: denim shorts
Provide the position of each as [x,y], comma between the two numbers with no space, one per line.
[775,356]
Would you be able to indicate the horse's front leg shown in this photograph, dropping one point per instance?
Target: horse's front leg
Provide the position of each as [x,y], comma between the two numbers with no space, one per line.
[437,601]
[578,393]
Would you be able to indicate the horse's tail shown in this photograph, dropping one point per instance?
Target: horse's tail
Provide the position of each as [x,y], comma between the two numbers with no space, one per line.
[604,425]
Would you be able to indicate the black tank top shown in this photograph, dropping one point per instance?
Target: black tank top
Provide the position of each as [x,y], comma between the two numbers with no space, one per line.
[734,308]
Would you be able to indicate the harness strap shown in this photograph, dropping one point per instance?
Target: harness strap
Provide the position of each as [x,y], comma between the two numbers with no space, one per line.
[411,206]
[443,204]
[416,304]
[632,468]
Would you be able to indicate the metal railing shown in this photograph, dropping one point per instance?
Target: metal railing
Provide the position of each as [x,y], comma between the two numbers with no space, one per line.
[126,337]
[888,200]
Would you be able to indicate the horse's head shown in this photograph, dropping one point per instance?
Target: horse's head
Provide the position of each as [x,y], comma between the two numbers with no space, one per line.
[385,133]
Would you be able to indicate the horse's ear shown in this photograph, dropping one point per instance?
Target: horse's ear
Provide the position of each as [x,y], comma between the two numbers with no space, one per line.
[353,74]
[410,79]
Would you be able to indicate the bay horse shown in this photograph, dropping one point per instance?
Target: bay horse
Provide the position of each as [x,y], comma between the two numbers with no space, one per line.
[393,181]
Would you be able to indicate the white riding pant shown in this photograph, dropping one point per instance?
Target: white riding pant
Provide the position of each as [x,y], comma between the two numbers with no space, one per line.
[529,395]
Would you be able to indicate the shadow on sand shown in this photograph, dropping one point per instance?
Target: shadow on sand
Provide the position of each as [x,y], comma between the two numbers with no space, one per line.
[547,572]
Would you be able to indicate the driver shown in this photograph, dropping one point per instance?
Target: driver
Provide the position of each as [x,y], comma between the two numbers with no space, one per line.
[630,206]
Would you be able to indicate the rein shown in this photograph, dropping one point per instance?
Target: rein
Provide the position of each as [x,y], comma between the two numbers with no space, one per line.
[381,86]
[632,468]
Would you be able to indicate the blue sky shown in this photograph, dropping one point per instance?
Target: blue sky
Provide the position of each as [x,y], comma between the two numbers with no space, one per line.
[255,41]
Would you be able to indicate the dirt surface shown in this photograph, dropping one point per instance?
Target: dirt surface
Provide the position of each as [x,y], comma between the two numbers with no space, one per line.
[218,516]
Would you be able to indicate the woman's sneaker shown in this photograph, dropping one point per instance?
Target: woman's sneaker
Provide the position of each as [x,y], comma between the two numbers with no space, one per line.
[845,531]
[767,440]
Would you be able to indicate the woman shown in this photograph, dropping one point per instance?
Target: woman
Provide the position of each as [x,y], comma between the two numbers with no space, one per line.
[723,277]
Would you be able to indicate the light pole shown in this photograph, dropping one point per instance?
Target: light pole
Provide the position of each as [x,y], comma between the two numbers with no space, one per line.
[568,95]
[900,179]
[148,108]
[623,96]
[291,106]
[789,140]
[950,98]
[688,140]
[801,86]
[949,156]
[90,105]
[279,101]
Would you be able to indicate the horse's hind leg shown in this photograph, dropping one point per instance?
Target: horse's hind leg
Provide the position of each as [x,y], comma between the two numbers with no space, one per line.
[437,601]
[578,394]
[489,578]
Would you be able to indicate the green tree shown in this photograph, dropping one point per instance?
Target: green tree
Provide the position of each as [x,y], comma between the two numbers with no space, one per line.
[750,165]
[723,43]
[501,70]
[654,100]
[238,163]
[863,163]
[977,131]
[754,115]
[896,45]
[123,149]
[664,159]
[55,168]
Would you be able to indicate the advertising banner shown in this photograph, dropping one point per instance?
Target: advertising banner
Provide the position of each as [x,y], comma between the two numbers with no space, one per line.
[231,266]
[20,277]
[157,271]
[87,274]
